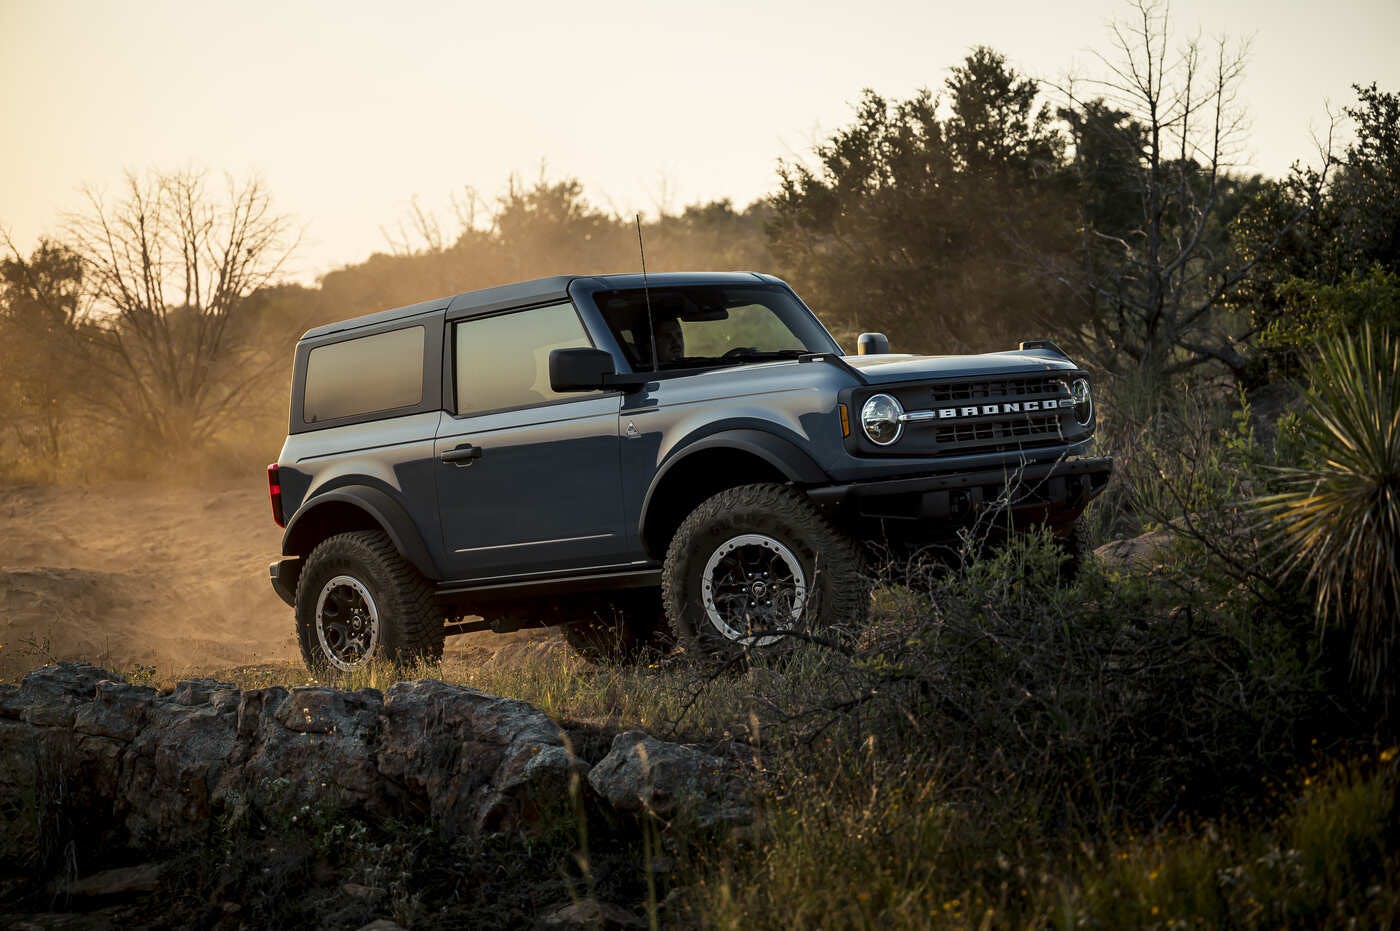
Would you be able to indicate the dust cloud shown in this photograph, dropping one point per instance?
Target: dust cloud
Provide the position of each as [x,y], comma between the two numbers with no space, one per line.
[140,573]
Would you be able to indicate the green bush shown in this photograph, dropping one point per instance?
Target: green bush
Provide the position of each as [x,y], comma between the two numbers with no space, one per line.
[999,733]
[1313,311]
[1125,694]
[1339,520]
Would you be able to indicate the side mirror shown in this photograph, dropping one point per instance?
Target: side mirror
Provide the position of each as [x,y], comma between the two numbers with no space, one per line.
[579,369]
[872,344]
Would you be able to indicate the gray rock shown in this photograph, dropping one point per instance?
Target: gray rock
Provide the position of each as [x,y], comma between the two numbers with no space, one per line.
[1142,552]
[50,694]
[197,691]
[124,881]
[315,746]
[225,700]
[481,762]
[591,914]
[10,706]
[317,710]
[643,775]
[163,766]
[141,767]
[118,710]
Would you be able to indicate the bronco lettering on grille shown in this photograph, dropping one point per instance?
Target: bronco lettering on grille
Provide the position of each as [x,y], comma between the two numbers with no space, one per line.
[1008,407]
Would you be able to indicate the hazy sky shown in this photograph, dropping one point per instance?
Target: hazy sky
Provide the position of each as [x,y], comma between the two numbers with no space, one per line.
[350,109]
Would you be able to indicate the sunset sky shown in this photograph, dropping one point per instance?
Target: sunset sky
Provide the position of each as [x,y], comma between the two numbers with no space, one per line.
[349,109]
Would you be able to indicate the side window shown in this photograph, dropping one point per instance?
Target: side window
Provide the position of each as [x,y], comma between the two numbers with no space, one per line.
[364,375]
[503,361]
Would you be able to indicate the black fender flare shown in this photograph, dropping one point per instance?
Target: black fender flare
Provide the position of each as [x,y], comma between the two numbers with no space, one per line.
[782,454]
[389,514]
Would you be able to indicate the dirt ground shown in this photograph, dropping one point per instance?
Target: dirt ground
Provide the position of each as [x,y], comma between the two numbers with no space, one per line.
[139,573]
[145,575]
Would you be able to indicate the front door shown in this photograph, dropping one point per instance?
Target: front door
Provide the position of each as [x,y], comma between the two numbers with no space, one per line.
[528,479]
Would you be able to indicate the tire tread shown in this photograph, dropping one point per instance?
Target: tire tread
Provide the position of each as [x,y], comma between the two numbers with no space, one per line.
[847,589]
[409,599]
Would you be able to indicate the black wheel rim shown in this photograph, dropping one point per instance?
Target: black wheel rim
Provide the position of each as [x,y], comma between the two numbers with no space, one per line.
[753,587]
[347,623]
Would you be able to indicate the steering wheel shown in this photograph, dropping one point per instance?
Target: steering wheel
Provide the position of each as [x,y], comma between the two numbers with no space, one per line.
[738,351]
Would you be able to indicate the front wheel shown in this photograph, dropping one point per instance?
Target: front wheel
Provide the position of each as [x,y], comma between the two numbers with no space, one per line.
[753,565]
[358,601]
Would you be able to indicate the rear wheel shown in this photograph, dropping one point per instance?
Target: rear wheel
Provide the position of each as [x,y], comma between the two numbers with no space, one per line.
[754,564]
[358,601]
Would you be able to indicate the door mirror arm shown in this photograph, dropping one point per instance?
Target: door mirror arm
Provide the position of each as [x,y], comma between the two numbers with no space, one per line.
[628,383]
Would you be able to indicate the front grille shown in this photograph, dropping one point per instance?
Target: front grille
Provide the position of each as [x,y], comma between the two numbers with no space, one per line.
[993,389]
[1044,426]
[1002,431]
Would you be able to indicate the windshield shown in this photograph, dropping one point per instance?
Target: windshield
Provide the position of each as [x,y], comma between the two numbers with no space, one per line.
[711,325]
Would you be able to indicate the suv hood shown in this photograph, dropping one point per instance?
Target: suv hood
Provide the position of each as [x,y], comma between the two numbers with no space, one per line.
[887,368]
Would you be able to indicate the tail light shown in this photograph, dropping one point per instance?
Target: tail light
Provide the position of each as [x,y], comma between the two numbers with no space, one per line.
[274,491]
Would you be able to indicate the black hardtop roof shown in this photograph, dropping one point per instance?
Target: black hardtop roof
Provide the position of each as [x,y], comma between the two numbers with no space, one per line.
[535,291]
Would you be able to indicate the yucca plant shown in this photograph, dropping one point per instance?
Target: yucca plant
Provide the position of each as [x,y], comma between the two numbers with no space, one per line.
[1339,519]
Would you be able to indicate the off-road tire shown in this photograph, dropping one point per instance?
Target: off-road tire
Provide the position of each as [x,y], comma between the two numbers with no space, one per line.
[410,624]
[620,628]
[838,592]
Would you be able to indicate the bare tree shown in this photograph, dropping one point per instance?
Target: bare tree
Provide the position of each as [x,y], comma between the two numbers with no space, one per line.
[170,267]
[1157,277]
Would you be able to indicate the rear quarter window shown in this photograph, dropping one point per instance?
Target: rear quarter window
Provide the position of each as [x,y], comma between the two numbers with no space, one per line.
[366,375]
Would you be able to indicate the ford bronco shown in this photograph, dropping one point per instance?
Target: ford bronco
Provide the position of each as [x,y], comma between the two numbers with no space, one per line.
[682,454]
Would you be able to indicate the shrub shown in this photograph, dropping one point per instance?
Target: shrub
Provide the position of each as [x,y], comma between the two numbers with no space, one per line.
[1314,311]
[1339,520]
[1327,860]
[1119,697]
[1123,695]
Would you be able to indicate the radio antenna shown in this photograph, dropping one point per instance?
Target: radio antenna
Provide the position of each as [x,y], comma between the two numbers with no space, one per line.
[646,294]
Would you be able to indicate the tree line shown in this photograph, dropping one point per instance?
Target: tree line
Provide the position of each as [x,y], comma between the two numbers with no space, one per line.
[1106,214]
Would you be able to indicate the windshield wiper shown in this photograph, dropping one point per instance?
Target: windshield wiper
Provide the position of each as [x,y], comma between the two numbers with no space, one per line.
[749,355]
[757,355]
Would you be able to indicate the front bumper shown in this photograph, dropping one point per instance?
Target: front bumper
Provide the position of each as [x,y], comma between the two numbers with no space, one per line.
[1049,492]
[284,573]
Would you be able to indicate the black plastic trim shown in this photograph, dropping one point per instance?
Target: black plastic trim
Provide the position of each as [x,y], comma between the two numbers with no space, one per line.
[853,494]
[384,510]
[284,574]
[496,590]
[783,455]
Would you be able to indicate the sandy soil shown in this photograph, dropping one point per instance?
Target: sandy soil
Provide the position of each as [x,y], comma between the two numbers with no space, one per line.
[139,573]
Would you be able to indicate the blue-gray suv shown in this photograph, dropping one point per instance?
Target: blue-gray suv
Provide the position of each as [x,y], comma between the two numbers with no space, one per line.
[686,457]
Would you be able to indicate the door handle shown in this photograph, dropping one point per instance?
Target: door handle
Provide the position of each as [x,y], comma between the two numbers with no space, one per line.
[463,455]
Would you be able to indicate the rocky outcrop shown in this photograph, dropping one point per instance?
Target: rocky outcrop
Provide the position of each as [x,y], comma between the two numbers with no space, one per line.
[644,775]
[158,767]
[478,761]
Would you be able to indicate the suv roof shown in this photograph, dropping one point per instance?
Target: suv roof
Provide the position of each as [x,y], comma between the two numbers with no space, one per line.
[556,287]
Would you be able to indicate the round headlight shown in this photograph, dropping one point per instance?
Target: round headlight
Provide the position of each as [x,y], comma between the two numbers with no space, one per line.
[1083,401]
[879,418]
